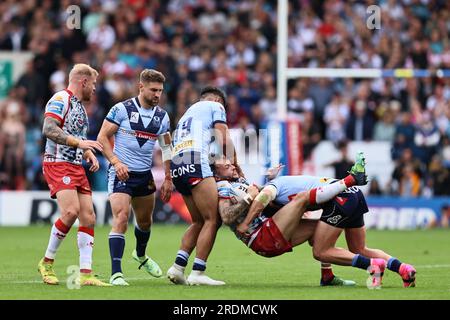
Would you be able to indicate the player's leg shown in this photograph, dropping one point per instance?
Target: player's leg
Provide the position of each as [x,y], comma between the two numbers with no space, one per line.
[120,207]
[205,197]
[357,177]
[69,207]
[324,250]
[188,242]
[288,217]
[85,241]
[143,211]
[356,241]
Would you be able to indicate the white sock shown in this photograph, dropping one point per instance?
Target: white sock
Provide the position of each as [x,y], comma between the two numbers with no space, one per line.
[85,246]
[57,235]
[327,192]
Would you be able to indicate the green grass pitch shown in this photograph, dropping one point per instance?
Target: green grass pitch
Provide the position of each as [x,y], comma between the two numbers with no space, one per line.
[292,276]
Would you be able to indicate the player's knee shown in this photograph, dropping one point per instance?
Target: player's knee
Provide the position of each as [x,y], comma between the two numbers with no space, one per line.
[121,221]
[145,226]
[91,218]
[319,255]
[71,213]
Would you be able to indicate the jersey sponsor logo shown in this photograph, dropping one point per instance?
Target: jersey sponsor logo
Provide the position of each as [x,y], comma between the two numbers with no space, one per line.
[353,189]
[58,98]
[335,219]
[183,145]
[56,110]
[66,180]
[180,171]
[145,135]
[134,117]
[139,134]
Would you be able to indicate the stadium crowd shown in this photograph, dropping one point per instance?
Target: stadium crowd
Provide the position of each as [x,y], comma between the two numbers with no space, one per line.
[232,44]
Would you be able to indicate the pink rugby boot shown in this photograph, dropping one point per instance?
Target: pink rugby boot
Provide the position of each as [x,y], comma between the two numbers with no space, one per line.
[408,274]
[377,267]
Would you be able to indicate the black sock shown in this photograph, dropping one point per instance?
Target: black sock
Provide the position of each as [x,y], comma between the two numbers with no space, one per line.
[142,238]
[116,247]
[394,264]
[361,262]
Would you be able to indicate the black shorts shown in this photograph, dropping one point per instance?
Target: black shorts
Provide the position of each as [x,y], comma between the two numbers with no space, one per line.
[139,184]
[188,173]
[346,210]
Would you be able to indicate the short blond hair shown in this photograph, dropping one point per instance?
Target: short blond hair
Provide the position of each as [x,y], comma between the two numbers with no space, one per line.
[151,75]
[81,69]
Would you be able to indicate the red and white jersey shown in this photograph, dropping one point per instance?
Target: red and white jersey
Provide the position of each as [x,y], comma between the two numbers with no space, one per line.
[70,112]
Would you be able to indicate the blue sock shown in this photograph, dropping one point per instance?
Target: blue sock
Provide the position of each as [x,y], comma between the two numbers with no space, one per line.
[182,258]
[142,238]
[199,265]
[394,264]
[116,247]
[361,262]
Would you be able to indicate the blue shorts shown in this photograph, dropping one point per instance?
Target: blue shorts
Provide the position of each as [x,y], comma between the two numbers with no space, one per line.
[187,170]
[139,184]
[346,210]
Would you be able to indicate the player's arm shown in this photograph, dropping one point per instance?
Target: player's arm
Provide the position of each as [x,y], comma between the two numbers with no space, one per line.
[229,212]
[262,200]
[107,131]
[224,140]
[52,131]
[165,142]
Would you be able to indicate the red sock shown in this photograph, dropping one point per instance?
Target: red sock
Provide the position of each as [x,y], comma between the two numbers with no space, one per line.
[327,274]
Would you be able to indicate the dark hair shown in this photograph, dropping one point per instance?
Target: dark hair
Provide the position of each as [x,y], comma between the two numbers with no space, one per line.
[215,91]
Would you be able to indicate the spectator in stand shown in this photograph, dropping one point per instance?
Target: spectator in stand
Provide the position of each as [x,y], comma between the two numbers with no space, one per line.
[360,124]
[335,117]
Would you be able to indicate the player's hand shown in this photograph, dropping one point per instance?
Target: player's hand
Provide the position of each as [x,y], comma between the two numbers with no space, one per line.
[90,145]
[121,171]
[273,172]
[92,159]
[166,190]
[253,191]
[242,228]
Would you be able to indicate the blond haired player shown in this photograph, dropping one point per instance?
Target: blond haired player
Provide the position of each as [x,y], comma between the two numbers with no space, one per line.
[65,127]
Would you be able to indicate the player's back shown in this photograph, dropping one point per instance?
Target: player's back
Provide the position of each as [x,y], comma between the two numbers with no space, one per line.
[288,186]
[194,129]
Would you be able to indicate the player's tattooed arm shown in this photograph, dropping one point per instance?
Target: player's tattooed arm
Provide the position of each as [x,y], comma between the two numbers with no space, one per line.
[230,212]
[52,131]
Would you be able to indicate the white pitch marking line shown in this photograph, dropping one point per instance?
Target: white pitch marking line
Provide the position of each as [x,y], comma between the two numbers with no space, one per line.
[40,281]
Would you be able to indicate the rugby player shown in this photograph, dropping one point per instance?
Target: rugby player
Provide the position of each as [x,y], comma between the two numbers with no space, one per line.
[135,124]
[193,178]
[65,127]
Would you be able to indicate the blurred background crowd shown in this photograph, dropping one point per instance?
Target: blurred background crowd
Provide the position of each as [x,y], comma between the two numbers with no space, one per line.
[232,44]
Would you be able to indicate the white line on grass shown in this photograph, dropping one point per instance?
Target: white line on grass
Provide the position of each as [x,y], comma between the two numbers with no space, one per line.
[434,266]
[40,281]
